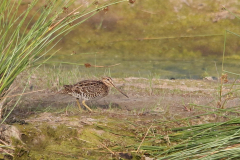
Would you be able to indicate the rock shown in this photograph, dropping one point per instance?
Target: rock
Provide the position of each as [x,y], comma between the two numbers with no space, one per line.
[8,131]
[208,78]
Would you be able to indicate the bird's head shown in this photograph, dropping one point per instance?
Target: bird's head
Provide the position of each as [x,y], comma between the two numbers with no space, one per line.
[109,82]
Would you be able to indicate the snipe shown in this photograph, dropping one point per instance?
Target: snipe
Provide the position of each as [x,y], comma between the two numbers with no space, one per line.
[90,90]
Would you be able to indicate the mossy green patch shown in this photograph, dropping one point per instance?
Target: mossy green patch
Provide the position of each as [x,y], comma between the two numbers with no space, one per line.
[47,141]
[59,141]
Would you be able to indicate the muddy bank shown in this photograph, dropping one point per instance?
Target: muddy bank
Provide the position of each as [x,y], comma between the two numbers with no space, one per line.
[54,127]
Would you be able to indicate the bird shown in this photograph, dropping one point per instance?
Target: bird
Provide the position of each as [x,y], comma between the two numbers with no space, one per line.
[90,90]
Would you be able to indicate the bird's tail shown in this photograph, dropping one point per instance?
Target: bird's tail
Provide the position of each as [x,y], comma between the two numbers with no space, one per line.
[66,90]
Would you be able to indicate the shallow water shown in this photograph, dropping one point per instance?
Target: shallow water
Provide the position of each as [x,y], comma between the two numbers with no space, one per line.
[177,58]
[173,43]
[157,67]
[171,39]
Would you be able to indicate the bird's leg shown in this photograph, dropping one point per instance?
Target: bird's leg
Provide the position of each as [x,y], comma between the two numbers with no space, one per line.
[79,106]
[83,102]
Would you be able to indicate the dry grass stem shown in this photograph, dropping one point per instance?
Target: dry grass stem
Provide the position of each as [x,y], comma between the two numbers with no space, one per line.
[107,148]
[51,27]
[88,65]
[3,142]
[7,46]
[143,138]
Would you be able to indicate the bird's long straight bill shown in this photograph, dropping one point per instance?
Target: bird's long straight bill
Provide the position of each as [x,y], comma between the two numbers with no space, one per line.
[119,90]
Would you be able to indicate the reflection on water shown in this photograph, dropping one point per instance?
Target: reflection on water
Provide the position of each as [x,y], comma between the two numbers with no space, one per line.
[133,66]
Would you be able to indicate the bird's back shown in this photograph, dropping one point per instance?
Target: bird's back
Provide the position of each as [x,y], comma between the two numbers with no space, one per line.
[88,89]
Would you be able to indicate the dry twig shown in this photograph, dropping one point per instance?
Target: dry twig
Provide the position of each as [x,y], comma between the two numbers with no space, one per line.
[143,138]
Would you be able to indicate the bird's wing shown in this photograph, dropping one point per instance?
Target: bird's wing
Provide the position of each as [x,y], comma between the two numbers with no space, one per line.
[86,87]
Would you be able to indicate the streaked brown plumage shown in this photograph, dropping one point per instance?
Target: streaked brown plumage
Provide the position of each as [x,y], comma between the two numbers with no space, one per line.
[90,90]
